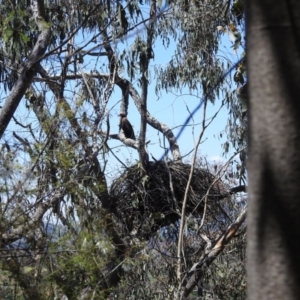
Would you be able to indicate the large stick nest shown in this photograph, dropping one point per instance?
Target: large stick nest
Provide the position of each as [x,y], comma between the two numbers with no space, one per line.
[145,204]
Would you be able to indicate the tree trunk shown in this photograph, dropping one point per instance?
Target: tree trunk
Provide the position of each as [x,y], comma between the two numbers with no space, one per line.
[273,55]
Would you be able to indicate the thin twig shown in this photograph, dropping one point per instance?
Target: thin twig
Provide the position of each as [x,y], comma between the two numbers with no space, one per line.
[182,223]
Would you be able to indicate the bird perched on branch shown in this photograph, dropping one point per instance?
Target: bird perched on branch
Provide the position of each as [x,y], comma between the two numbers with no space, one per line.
[126,127]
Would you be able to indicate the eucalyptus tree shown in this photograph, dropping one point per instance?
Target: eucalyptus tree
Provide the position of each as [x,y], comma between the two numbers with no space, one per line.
[63,226]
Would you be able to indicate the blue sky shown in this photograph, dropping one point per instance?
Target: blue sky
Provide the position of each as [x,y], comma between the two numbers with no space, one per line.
[173,109]
[170,108]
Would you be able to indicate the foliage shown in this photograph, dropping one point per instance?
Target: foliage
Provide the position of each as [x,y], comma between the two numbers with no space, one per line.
[66,226]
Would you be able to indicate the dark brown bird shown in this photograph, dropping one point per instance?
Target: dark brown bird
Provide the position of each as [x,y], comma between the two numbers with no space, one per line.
[126,127]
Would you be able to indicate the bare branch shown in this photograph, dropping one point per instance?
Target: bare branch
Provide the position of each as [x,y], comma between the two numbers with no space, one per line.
[145,58]
[124,84]
[197,271]
[41,209]
[182,223]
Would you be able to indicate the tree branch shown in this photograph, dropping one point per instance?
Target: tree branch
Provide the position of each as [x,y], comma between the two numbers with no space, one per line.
[124,84]
[197,271]
[28,70]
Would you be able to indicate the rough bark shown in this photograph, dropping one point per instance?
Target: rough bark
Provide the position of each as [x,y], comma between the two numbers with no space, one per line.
[273,54]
